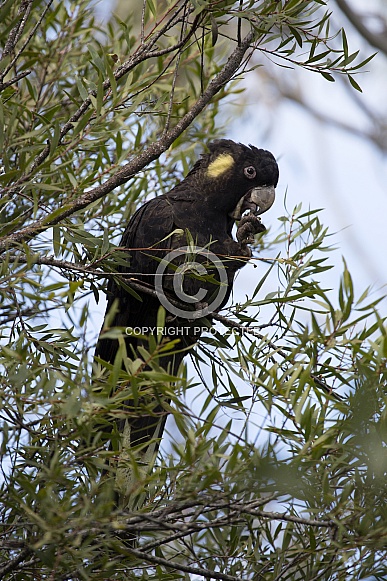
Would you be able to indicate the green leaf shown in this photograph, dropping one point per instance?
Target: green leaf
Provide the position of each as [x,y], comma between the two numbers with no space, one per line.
[327,76]
[354,84]
[345,43]
[318,57]
[214,31]
[298,37]
[56,240]
[81,88]
[152,7]
[96,59]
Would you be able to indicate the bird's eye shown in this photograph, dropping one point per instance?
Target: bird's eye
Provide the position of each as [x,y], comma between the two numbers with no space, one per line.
[250,172]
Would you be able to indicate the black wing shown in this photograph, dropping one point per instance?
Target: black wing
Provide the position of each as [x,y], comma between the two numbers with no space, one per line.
[145,237]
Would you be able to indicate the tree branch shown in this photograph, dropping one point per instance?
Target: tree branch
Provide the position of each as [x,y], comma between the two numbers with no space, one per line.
[29,37]
[378,40]
[16,32]
[152,152]
[206,573]
[15,79]
[12,565]
[283,517]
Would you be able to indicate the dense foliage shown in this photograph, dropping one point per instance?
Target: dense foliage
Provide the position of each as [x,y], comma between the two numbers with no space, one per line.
[275,463]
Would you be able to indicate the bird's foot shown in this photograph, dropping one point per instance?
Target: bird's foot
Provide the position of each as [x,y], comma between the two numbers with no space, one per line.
[247,228]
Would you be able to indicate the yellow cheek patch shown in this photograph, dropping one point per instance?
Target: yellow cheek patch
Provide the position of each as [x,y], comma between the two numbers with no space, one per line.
[220,165]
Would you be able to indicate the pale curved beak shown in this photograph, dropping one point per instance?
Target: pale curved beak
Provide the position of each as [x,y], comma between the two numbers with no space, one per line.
[263,197]
[258,200]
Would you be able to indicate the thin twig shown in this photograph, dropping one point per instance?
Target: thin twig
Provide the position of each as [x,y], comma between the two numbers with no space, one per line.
[15,79]
[206,573]
[16,32]
[174,80]
[29,37]
[283,517]
[240,22]
[142,34]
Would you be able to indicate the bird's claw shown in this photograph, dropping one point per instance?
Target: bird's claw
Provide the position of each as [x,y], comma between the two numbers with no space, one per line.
[247,228]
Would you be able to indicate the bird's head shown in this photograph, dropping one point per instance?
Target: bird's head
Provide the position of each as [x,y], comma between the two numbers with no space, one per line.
[234,178]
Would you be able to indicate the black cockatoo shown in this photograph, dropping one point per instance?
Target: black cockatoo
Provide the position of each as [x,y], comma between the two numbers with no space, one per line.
[232,182]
